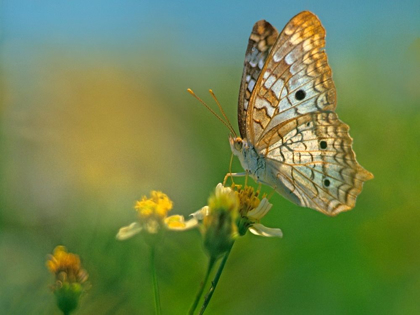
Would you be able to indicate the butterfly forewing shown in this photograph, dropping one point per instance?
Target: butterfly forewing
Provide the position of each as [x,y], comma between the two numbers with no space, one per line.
[262,38]
[295,80]
[290,120]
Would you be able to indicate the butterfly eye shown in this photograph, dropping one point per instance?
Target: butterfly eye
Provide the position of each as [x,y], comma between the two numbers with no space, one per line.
[327,182]
[323,144]
[238,144]
[300,95]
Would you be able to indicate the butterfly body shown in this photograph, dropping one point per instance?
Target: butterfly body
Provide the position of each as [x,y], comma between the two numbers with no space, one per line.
[251,161]
[291,137]
[255,166]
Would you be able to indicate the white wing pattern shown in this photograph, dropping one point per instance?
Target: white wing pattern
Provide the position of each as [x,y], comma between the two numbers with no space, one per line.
[289,120]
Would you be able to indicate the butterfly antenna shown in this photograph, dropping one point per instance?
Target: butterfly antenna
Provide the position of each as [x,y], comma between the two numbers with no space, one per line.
[223,112]
[212,111]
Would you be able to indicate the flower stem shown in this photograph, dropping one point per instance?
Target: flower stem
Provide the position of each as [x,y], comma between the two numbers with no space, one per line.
[212,260]
[215,281]
[155,282]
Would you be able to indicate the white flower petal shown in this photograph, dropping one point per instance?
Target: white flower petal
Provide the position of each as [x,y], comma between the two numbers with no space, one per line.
[261,230]
[191,223]
[200,214]
[128,231]
[177,223]
[260,211]
[220,189]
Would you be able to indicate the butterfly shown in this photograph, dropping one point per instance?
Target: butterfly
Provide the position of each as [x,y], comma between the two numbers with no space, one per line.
[291,138]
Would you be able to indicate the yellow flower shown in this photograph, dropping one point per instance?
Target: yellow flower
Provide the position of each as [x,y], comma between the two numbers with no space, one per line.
[66,266]
[70,278]
[250,211]
[152,217]
[157,205]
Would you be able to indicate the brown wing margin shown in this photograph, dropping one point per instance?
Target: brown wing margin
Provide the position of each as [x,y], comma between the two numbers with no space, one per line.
[263,37]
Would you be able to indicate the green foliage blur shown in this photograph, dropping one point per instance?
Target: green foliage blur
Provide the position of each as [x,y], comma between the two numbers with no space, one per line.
[94,133]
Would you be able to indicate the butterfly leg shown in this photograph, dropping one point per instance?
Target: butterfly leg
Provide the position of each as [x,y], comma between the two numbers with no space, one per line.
[233,175]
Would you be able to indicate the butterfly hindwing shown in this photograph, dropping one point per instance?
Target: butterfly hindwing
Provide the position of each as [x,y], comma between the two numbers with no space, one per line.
[313,158]
[263,37]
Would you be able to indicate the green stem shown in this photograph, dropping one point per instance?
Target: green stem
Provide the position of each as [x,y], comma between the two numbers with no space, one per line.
[215,281]
[212,260]
[155,282]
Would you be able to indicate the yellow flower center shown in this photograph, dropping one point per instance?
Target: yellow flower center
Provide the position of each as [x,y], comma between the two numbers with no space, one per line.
[158,205]
[153,211]
[248,199]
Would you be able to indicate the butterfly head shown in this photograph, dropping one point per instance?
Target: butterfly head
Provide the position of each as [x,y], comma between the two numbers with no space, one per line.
[247,155]
[237,145]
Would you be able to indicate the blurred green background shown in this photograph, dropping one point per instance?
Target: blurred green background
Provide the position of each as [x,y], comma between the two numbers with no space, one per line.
[94,114]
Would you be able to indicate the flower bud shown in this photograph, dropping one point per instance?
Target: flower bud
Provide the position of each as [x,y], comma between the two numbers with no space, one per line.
[70,278]
[219,226]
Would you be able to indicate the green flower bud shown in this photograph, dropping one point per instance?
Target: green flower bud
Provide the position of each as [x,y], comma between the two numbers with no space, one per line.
[68,296]
[219,226]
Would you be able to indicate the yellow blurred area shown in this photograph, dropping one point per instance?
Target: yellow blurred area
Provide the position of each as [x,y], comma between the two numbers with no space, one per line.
[95,128]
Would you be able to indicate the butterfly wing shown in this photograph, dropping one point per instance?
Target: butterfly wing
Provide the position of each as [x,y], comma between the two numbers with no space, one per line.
[263,37]
[290,121]
[312,163]
[296,78]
